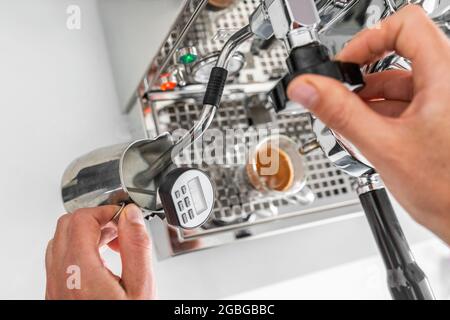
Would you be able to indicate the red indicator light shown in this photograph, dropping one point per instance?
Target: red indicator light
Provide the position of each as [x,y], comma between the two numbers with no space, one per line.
[168,86]
[167,82]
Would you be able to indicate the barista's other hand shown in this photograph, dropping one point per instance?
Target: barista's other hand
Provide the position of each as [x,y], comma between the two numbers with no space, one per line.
[401,120]
[75,269]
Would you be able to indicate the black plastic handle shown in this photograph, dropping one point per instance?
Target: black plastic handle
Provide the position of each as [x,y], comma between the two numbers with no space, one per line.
[215,87]
[405,278]
[314,58]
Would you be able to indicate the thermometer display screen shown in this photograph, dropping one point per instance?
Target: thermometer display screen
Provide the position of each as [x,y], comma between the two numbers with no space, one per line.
[198,198]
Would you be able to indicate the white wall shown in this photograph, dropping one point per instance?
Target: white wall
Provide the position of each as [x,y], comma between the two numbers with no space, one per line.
[57,102]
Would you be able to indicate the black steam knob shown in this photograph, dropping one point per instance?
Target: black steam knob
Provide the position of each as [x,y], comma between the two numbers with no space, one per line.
[278,94]
[314,58]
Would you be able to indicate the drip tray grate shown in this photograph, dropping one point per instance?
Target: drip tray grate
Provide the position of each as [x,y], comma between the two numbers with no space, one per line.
[237,203]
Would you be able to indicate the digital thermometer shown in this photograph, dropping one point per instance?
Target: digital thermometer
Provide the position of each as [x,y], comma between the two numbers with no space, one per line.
[187,196]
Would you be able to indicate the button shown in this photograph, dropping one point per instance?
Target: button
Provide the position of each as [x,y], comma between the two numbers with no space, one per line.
[184,217]
[183,189]
[191,213]
[180,205]
[177,194]
[187,202]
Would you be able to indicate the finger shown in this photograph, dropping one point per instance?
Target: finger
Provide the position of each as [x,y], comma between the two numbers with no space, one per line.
[389,108]
[135,252]
[107,235]
[412,35]
[49,268]
[86,225]
[49,256]
[61,232]
[114,245]
[390,85]
[340,110]
[101,215]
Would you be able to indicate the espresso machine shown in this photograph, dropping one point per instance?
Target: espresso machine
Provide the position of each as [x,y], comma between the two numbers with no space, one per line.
[226,65]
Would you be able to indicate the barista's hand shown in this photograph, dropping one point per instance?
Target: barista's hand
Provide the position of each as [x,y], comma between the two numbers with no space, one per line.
[75,269]
[401,120]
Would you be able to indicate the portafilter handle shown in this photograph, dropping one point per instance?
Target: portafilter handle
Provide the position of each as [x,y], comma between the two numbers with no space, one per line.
[405,279]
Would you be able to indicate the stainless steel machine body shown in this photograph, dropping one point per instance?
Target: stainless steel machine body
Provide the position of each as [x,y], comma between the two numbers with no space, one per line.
[170,98]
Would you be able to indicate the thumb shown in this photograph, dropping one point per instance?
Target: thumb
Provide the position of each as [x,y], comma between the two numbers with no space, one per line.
[340,109]
[135,253]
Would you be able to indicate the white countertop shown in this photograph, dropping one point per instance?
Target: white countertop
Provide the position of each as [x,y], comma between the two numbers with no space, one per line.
[360,279]
[59,101]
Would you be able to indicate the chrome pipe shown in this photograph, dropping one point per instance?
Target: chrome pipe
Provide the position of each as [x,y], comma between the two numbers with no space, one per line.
[232,44]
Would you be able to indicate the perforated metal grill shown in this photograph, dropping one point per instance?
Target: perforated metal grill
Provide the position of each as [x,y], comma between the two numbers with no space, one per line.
[236,200]
[205,36]
[180,23]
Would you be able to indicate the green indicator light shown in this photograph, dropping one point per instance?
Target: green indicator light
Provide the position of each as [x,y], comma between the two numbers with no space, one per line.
[188,58]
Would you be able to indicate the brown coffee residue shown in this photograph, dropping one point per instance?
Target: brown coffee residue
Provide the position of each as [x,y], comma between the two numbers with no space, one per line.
[221,4]
[279,167]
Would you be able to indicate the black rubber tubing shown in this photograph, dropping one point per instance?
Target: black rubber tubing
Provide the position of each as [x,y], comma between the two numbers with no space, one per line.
[215,87]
